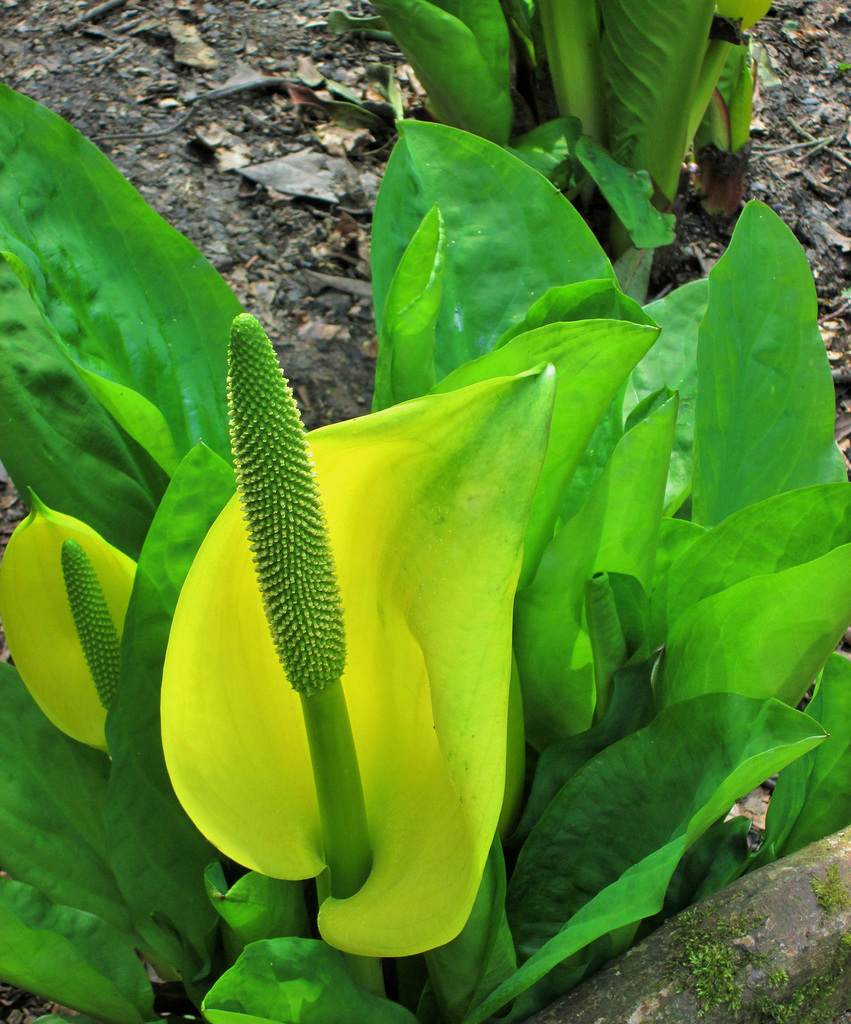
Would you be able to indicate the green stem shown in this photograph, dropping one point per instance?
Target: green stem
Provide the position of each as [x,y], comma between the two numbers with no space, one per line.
[710,71]
[342,812]
[572,38]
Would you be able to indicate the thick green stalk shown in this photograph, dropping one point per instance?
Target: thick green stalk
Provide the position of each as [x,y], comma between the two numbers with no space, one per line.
[338,789]
[339,792]
[710,71]
[572,38]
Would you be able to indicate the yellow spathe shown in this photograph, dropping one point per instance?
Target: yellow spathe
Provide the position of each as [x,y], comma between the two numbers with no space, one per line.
[426,506]
[37,618]
[750,11]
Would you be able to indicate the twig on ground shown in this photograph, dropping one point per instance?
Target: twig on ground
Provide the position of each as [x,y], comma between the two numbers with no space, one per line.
[825,144]
[92,14]
[214,94]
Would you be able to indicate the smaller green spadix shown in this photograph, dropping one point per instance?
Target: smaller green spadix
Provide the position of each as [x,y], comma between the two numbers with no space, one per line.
[95,629]
[284,514]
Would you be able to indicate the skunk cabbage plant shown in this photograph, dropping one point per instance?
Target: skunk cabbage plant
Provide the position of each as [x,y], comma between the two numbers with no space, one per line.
[425,547]
[609,92]
[614,538]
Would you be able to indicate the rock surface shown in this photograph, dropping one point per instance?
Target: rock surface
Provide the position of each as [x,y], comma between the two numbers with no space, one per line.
[773,948]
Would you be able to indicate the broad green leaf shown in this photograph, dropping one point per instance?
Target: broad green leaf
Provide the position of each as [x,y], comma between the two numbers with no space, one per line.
[295,981]
[692,761]
[70,957]
[405,366]
[460,53]
[672,362]
[78,1018]
[676,536]
[812,798]
[767,636]
[652,51]
[256,907]
[637,894]
[583,300]
[472,965]
[717,858]
[765,401]
[426,506]
[628,192]
[510,236]
[615,531]
[591,359]
[595,458]
[142,420]
[130,298]
[547,148]
[52,791]
[156,853]
[630,709]
[56,439]
[768,537]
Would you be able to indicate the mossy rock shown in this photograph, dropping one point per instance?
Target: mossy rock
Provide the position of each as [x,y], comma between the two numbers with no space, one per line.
[773,948]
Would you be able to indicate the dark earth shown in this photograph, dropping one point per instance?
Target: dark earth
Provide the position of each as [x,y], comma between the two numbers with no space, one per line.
[141,80]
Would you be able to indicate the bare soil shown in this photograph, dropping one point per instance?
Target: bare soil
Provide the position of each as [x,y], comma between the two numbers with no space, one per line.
[138,78]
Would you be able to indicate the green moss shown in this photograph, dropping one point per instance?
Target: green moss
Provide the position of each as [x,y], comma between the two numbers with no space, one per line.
[812,1003]
[832,894]
[712,960]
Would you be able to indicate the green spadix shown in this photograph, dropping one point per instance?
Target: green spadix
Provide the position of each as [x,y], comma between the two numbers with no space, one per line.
[426,507]
[40,626]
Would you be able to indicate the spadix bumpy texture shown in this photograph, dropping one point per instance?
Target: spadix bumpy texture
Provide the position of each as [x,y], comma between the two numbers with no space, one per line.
[95,629]
[38,623]
[283,510]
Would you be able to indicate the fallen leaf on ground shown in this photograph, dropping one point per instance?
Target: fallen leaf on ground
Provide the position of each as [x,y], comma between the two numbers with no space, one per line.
[189,47]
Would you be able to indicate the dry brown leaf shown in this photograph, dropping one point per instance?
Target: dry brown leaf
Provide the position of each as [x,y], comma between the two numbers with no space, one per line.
[189,47]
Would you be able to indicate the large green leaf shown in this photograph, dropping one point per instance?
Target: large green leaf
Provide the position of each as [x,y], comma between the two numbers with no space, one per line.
[467,969]
[767,636]
[690,764]
[591,358]
[57,439]
[130,298]
[460,52]
[652,51]
[615,531]
[52,791]
[405,365]
[255,907]
[71,957]
[295,981]
[813,795]
[765,402]
[630,709]
[156,853]
[639,893]
[768,537]
[510,236]
[582,300]
[628,192]
[672,362]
